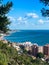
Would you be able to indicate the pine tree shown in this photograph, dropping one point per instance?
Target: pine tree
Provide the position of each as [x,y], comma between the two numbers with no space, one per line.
[45,11]
[4,21]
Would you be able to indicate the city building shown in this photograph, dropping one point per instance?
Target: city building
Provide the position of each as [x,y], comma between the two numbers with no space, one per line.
[46,50]
[26,44]
[34,50]
[40,49]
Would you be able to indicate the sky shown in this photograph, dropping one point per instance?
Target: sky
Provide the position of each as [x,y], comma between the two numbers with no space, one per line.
[26,15]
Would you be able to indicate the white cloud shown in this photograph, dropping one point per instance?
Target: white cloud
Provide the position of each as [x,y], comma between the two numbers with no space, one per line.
[47,21]
[25,22]
[33,15]
[41,21]
[22,20]
[29,14]
[11,18]
[47,18]
[19,19]
[25,19]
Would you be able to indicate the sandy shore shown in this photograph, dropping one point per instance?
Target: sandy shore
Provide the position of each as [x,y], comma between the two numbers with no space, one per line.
[2,37]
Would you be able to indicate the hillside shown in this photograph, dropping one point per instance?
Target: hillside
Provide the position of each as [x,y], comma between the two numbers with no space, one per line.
[10,56]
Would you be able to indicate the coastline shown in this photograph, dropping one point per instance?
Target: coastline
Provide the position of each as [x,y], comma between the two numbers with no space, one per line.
[27,36]
[27,45]
[2,36]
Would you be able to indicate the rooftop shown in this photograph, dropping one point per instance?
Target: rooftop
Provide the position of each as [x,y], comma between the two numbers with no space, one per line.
[47,45]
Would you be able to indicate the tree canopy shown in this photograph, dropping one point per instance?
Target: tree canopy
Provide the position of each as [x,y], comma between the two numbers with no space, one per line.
[40,55]
[45,2]
[4,21]
[45,11]
[9,56]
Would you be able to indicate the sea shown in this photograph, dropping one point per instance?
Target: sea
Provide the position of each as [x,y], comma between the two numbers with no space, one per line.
[41,37]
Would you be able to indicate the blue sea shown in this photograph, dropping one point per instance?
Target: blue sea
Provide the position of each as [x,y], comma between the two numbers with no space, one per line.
[41,37]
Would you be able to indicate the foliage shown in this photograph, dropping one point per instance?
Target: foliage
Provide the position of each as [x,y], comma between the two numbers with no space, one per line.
[10,56]
[40,55]
[3,59]
[46,2]
[44,11]
[4,21]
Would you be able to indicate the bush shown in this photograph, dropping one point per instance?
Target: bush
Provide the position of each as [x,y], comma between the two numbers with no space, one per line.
[40,55]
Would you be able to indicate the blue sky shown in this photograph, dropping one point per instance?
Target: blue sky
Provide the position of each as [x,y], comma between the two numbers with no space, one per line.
[26,14]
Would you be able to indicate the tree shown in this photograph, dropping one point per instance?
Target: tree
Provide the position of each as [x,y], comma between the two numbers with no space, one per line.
[40,55]
[46,2]
[3,59]
[4,21]
[44,11]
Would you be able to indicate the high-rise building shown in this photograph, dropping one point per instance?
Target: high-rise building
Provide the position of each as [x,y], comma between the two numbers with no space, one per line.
[40,49]
[46,50]
[34,50]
